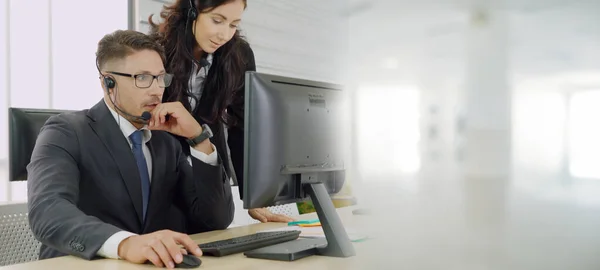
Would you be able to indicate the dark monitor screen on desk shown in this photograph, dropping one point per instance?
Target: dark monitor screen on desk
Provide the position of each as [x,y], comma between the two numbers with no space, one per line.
[24,127]
[293,129]
[294,150]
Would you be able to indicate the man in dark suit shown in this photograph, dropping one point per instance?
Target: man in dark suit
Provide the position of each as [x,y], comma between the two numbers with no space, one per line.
[101,181]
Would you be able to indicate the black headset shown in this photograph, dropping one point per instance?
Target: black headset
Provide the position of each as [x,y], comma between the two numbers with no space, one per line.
[109,82]
[192,15]
[192,12]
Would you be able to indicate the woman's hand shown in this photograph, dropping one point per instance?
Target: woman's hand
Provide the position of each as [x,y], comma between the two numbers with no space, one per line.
[264,215]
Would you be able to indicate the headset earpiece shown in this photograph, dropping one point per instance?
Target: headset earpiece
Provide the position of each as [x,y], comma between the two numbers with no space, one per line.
[192,12]
[192,15]
[109,83]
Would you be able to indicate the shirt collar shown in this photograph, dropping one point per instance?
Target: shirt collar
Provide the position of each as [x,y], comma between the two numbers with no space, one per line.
[127,128]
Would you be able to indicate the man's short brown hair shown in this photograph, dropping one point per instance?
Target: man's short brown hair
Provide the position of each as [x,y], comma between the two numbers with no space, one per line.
[122,43]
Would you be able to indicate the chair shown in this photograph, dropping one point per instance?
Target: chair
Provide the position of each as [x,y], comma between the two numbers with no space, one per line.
[241,216]
[17,243]
[23,129]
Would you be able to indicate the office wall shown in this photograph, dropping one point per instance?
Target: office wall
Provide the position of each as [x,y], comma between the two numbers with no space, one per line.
[304,39]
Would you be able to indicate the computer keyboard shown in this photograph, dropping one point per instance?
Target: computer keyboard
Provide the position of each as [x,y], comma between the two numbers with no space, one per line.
[246,243]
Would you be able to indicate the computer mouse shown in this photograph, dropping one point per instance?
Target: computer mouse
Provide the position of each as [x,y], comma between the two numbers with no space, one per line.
[189,261]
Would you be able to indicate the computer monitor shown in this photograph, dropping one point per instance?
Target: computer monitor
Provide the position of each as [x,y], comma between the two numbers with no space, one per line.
[293,151]
[23,129]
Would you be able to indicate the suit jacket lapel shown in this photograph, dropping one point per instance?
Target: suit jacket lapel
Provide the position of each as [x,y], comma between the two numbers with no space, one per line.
[107,129]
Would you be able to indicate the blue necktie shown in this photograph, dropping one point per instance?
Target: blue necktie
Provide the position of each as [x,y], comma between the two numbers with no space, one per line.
[136,141]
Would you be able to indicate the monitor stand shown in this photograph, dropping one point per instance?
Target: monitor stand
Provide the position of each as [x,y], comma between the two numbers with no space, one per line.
[335,244]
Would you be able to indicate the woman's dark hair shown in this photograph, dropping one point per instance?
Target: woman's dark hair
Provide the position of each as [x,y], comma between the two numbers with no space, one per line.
[226,74]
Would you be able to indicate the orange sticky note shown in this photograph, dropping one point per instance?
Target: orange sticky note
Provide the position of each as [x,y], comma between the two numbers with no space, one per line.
[316,224]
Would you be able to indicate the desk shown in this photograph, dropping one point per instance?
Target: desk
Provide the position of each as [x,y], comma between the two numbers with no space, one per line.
[235,261]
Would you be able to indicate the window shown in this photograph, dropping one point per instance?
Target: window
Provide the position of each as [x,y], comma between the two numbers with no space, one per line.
[387,131]
[61,72]
[584,134]
[538,133]
[75,83]
[4,99]
[29,72]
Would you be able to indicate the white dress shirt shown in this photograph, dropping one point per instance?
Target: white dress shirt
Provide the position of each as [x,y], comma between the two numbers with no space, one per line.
[196,82]
[110,248]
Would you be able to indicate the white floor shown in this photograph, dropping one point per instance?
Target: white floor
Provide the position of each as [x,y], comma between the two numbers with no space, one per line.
[445,221]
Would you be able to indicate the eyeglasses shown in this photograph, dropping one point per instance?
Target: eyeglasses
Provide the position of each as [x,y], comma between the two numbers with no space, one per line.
[145,80]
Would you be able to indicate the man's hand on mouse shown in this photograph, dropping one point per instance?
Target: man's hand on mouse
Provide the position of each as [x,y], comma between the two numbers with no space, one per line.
[161,248]
[264,215]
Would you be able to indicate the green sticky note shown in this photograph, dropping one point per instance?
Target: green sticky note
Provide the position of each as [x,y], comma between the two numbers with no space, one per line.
[297,222]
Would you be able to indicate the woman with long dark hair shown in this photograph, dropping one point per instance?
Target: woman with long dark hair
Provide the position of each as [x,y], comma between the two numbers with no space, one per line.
[208,57]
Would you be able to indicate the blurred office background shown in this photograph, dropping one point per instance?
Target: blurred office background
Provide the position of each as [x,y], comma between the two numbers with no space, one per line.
[463,112]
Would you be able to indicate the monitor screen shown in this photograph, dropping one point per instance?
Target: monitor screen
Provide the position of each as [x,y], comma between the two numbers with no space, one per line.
[294,141]
[293,135]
